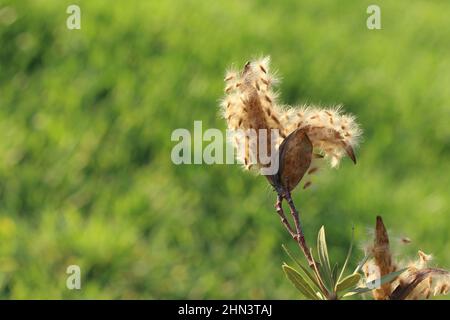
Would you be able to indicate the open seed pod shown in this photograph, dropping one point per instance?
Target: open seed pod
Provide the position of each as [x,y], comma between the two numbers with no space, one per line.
[250,105]
[418,281]
[295,155]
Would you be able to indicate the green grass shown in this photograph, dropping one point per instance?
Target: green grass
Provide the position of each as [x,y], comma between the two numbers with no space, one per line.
[86,118]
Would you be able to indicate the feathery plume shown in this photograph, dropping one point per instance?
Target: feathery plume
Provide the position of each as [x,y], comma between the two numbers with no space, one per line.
[331,132]
[381,262]
[419,281]
[251,103]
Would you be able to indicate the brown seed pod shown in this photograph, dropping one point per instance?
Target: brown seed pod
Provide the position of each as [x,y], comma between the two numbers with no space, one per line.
[383,258]
[250,102]
[407,289]
[295,155]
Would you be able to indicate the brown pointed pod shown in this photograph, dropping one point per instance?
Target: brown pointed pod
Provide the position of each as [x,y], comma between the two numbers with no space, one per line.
[382,258]
[350,153]
[295,155]
[406,289]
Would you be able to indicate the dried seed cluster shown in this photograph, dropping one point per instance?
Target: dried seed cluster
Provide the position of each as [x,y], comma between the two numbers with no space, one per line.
[382,261]
[424,281]
[419,281]
[331,132]
[251,103]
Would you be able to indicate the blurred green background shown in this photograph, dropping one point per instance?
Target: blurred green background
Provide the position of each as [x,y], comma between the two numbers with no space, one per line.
[86,118]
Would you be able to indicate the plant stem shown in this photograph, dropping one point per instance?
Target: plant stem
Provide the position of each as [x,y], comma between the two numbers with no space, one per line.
[299,236]
[284,220]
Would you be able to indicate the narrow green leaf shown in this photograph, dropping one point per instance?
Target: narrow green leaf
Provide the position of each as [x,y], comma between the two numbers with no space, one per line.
[371,284]
[304,269]
[334,274]
[349,253]
[356,291]
[348,282]
[299,282]
[386,278]
[322,273]
[323,287]
[362,263]
[323,256]
[321,296]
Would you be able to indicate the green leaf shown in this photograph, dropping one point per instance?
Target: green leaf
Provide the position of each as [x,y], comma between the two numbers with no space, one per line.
[356,291]
[334,273]
[323,287]
[304,269]
[362,262]
[370,285]
[321,296]
[386,278]
[348,282]
[324,260]
[299,282]
[349,253]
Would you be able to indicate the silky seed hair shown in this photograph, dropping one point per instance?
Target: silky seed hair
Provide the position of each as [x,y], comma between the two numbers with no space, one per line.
[424,289]
[381,261]
[434,284]
[331,132]
[251,103]
[419,281]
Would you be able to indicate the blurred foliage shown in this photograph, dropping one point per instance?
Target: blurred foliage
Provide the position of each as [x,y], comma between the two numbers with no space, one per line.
[86,118]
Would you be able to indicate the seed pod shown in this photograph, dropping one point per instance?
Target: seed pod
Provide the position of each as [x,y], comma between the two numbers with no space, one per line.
[383,258]
[295,155]
[250,103]
[249,106]
[330,131]
[409,288]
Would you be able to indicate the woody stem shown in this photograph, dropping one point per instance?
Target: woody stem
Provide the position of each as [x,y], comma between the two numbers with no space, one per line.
[284,220]
[299,236]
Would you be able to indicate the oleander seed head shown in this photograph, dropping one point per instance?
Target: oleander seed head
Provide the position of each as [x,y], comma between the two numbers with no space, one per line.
[419,281]
[250,103]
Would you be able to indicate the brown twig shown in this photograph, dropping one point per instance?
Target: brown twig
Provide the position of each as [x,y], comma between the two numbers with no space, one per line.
[284,220]
[298,235]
